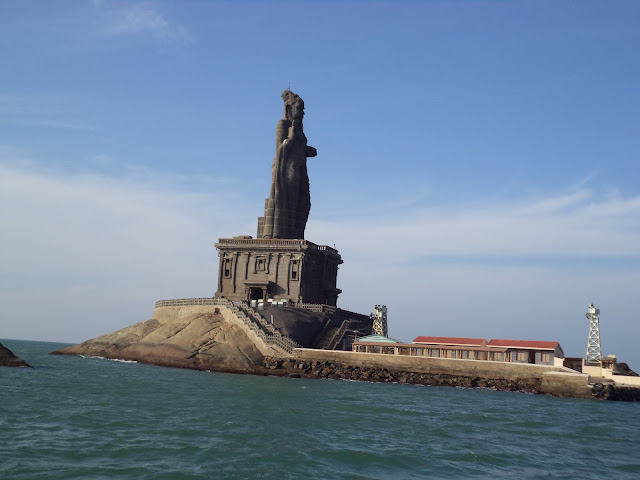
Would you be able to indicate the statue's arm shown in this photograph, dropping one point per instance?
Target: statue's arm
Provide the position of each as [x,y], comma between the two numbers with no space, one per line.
[293,134]
[282,131]
[288,131]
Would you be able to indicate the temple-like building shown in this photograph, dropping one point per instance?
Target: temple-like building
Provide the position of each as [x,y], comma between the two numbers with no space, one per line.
[274,269]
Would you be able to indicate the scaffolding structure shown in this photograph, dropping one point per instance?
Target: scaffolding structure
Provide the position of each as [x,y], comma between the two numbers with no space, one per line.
[594,350]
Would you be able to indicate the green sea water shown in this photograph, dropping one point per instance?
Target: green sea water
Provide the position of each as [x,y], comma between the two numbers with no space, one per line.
[91,418]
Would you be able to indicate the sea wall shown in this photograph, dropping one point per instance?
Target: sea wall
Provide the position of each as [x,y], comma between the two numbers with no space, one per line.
[550,380]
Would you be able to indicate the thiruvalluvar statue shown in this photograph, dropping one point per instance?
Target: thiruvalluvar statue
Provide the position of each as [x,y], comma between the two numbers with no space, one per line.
[287,209]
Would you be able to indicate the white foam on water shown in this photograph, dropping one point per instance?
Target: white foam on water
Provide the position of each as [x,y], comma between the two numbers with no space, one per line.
[110,359]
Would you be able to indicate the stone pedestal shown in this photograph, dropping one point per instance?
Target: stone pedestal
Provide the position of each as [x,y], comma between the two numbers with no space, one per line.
[292,270]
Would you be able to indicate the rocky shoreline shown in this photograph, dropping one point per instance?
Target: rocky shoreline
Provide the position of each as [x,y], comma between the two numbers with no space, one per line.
[205,338]
[163,356]
[318,369]
[191,337]
[315,369]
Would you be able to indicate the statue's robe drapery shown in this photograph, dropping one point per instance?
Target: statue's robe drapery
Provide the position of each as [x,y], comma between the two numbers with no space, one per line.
[289,202]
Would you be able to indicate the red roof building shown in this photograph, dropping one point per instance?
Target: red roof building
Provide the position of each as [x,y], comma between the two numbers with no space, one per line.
[462,348]
[475,342]
[517,351]
[528,344]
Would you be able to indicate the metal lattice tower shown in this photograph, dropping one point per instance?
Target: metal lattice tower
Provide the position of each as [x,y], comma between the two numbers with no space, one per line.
[594,352]
[379,317]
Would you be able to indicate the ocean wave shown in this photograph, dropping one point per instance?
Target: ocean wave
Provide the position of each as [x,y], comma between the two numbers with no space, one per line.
[121,360]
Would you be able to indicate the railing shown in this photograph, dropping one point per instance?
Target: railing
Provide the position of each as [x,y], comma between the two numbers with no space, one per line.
[257,318]
[252,319]
[282,341]
[189,301]
[315,307]
[270,242]
[338,335]
[262,241]
[266,332]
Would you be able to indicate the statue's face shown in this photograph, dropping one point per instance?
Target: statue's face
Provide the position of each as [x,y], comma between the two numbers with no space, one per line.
[297,110]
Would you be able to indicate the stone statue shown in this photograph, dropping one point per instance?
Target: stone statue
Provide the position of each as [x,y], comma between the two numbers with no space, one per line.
[287,208]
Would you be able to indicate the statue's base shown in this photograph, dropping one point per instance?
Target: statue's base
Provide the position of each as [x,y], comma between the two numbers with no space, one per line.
[286,270]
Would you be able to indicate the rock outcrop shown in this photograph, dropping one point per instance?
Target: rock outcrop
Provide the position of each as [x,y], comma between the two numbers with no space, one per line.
[623,369]
[190,337]
[8,359]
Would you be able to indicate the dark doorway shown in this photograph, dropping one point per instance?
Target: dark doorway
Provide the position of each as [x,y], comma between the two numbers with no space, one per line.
[532,357]
[256,293]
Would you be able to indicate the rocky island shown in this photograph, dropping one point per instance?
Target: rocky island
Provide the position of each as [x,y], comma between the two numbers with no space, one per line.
[8,359]
[275,311]
[275,292]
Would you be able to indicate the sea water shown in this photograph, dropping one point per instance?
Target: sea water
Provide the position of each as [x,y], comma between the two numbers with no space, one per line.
[74,418]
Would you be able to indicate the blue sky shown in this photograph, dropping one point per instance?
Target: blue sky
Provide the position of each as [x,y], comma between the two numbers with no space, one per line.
[477,161]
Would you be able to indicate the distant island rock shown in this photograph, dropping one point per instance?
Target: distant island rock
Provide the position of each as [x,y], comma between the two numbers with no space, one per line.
[8,359]
[189,337]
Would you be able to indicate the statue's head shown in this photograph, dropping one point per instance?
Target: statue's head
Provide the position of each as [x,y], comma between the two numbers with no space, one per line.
[293,106]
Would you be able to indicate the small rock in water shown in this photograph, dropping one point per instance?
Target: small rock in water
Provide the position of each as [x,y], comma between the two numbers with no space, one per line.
[8,359]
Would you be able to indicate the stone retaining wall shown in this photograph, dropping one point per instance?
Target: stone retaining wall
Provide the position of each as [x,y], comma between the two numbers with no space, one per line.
[437,365]
[551,380]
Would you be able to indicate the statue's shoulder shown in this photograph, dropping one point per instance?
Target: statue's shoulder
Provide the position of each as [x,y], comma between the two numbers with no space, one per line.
[283,126]
[282,131]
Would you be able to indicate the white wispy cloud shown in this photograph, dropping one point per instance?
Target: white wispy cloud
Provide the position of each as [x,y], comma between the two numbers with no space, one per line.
[86,253]
[521,268]
[572,223]
[141,19]
[85,223]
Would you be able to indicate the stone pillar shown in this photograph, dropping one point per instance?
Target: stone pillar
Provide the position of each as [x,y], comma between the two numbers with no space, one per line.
[220,270]
[235,271]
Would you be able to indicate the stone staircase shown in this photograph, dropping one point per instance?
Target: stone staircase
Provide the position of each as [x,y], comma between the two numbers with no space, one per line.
[332,335]
[249,318]
[263,330]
